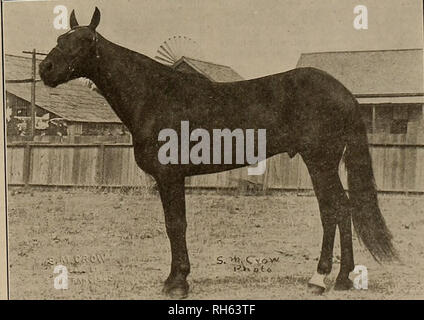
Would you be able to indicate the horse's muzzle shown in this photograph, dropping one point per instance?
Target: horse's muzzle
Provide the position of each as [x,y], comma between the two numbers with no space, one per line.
[46,68]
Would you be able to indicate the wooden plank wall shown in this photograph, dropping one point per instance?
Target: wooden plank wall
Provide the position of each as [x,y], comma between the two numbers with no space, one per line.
[71,139]
[398,167]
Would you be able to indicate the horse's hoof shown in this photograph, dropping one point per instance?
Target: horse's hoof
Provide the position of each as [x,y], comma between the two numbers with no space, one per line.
[315,290]
[176,291]
[316,284]
[343,284]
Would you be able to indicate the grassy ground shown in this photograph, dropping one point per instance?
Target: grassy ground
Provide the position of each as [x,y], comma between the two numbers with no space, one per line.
[114,245]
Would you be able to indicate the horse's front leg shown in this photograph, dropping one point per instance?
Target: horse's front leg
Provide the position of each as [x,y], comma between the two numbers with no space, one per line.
[172,195]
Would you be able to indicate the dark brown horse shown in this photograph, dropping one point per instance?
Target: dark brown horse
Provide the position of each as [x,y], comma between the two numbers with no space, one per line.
[304,111]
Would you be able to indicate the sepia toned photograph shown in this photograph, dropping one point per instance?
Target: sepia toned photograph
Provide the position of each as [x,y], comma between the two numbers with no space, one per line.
[212,150]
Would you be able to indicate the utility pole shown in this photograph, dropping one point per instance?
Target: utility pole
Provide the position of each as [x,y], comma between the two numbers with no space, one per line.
[33,81]
[34,71]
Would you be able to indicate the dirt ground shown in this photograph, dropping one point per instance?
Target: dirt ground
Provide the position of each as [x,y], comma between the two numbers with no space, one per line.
[114,246]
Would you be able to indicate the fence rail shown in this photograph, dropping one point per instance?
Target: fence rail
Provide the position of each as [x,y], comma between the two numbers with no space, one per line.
[397,167]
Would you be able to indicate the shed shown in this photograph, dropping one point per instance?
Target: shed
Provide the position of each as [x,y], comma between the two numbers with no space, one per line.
[69,109]
[212,71]
[76,108]
[388,85]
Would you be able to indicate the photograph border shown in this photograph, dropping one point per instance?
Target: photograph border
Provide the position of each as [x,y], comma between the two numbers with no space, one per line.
[4,270]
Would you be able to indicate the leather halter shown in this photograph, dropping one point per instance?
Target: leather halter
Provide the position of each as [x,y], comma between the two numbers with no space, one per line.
[71,62]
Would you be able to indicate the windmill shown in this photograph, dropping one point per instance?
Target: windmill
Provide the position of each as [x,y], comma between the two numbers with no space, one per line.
[176,47]
[169,52]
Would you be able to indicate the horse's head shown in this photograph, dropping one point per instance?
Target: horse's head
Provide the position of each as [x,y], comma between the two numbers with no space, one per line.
[73,54]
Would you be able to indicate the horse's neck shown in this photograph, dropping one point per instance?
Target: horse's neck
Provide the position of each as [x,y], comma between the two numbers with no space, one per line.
[124,78]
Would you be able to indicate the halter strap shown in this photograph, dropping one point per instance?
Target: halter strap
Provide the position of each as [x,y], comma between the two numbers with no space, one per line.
[70,63]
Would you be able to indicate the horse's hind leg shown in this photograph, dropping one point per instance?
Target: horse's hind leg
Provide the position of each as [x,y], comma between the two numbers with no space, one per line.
[334,210]
[344,221]
[329,223]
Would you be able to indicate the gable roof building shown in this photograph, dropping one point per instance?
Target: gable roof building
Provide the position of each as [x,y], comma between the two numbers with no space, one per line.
[71,101]
[75,101]
[388,84]
[212,71]
[375,76]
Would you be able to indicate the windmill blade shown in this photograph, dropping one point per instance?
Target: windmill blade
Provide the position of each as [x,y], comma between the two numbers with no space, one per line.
[163,53]
[169,49]
[164,60]
[175,47]
[170,55]
[178,43]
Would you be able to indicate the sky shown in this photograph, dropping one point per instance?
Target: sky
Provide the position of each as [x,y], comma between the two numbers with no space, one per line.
[254,37]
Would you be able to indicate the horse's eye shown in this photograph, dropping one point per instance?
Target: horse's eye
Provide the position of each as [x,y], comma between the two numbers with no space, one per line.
[86,41]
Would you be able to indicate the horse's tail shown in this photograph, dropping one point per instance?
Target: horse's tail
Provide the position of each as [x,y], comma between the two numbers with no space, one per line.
[367,219]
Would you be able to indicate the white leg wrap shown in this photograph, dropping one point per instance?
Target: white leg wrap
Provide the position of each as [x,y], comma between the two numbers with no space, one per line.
[318,280]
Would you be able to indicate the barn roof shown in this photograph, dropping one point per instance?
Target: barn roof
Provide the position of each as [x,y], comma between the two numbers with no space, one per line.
[72,101]
[212,71]
[375,74]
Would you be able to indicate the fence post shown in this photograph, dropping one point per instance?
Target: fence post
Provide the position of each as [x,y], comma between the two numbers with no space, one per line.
[299,173]
[266,176]
[100,165]
[27,164]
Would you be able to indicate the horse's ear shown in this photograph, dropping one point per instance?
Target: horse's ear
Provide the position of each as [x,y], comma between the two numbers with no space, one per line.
[95,20]
[73,20]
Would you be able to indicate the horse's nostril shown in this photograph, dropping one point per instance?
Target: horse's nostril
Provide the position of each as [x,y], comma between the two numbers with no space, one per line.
[48,66]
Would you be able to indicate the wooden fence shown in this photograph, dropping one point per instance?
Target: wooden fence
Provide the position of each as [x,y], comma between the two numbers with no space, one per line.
[398,167]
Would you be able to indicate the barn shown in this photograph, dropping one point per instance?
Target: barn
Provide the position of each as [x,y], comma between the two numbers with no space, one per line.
[388,84]
[71,109]
[212,71]
[75,109]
